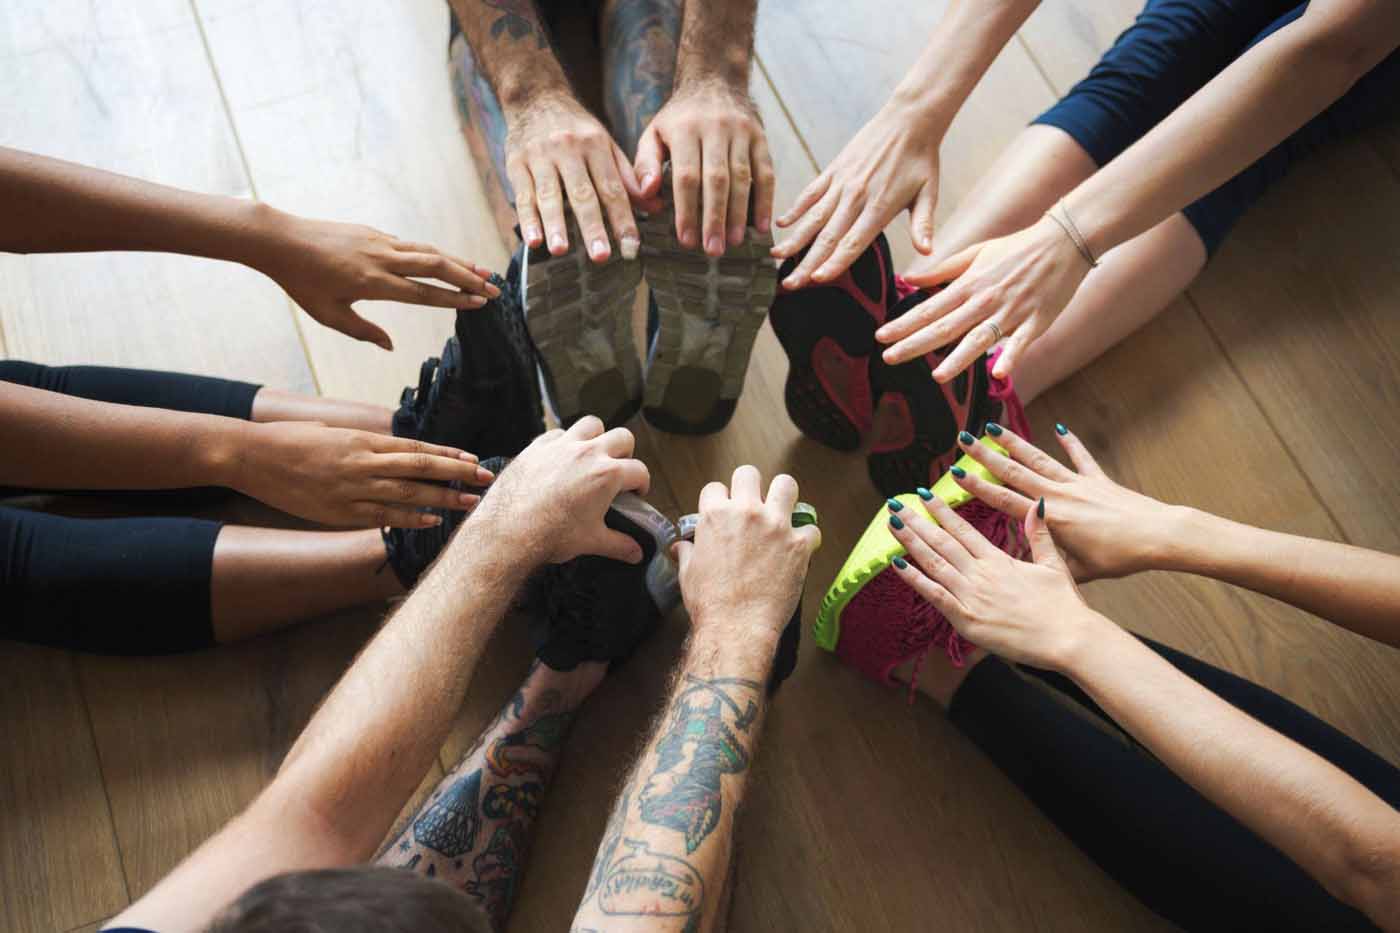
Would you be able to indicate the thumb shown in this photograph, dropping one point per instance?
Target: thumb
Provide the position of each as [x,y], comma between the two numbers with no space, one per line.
[921,218]
[618,546]
[1043,550]
[947,270]
[650,154]
[681,552]
[351,324]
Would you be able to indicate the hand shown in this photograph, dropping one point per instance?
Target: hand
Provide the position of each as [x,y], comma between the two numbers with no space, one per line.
[1019,282]
[890,165]
[1104,529]
[744,571]
[337,476]
[554,495]
[1029,612]
[325,267]
[719,159]
[557,147]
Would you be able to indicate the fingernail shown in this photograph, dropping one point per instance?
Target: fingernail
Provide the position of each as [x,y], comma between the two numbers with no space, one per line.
[896,522]
[557,243]
[925,494]
[630,245]
[687,238]
[966,439]
[958,472]
[599,249]
[646,179]
[432,521]
[1040,509]
[894,504]
[901,563]
[476,301]
[388,345]
[714,245]
[993,429]
[764,225]
[1061,429]
[484,476]
[492,290]
[793,281]
[465,498]
[532,236]
[736,236]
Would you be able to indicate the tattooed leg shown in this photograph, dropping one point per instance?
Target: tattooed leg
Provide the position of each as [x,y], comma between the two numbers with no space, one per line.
[474,830]
[484,126]
[640,39]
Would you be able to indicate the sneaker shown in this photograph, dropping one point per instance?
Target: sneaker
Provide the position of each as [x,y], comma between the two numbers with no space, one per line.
[579,315]
[709,310]
[599,609]
[828,333]
[874,621]
[917,420]
[411,551]
[482,394]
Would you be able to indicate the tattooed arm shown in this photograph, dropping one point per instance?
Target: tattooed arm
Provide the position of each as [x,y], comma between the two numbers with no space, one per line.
[710,129]
[665,856]
[474,831]
[554,146]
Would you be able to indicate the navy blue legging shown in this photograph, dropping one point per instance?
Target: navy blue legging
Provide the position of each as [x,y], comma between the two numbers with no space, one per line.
[119,585]
[1172,50]
[1175,851]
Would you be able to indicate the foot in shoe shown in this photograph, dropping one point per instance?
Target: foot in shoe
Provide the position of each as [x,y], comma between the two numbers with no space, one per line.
[482,394]
[828,333]
[579,316]
[709,310]
[917,420]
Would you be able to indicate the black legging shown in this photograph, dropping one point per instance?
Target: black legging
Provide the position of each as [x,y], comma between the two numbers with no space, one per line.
[121,585]
[1177,852]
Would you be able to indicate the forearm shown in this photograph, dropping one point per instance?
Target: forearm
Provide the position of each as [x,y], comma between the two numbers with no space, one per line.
[54,206]
[716,43]
[1334,828]
[474,830]
[512,47]
[1356,588]
[665,855]
[55,441]
[1246,110]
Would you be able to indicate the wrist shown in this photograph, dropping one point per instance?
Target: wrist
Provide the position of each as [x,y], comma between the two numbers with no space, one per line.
[1169,539]
[1087,635]
[572,687]
[738,640]
[221,451]
[523,98]
[261,233]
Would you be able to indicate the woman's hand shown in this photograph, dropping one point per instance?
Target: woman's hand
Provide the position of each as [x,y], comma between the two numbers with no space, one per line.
[890,165]
[1029,612]
[359,479]
[1104,529]
[1020,283]
[325,267]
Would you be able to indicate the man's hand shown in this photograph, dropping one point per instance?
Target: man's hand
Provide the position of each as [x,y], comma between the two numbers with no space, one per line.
[745,569]
[553,496]
[557,149]
[338,476]
[719,161]
[325,267]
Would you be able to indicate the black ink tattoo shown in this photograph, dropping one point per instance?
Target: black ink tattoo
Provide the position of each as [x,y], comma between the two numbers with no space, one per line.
[640,62]
[450,823]
[643,883]
[612,836]
[533,749]
[518,20]
[497,870]
[698,748]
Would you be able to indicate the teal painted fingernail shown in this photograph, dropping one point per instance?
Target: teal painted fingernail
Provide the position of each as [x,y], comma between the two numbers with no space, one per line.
[894,504]
[896,522]
[957,471]
[901,563]
[925,494]
[965,438]
[993,429]
[1061,429]
[1040,509]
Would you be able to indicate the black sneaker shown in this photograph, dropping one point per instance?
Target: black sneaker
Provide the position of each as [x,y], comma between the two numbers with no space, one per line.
[599,609]
[482,394]
[410,551]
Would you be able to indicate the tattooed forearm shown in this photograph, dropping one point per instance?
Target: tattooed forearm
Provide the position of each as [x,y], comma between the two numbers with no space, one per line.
[717,42]
[518,20]
[474,830]
[639,61]
[511,46]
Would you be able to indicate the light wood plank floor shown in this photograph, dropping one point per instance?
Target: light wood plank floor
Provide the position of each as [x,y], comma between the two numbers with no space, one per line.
[1267,393]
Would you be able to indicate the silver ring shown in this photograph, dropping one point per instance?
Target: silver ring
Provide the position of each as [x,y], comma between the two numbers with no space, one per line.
[996,331]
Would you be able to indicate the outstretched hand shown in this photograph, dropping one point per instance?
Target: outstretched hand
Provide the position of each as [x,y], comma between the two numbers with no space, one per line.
[1029,612]
[1020,283]
[326,267]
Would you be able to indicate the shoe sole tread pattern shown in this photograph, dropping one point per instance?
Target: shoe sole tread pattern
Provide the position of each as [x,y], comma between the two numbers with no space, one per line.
[579,317]
[709,311]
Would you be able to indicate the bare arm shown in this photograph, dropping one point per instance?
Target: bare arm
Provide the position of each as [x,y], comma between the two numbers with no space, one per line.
[892,163]
[52,206]
[1030,612]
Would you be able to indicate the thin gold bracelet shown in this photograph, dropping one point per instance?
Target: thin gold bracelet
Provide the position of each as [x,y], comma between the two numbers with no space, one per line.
[1071,230]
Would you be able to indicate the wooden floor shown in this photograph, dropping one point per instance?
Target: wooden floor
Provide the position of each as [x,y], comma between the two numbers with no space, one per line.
[1269,393]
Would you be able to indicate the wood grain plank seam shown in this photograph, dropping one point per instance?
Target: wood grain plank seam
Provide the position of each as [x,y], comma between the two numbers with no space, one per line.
[1224,350]
[1040,69]
[787,114]
[102,777]
[291,306]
